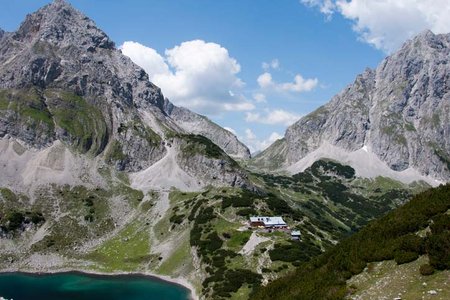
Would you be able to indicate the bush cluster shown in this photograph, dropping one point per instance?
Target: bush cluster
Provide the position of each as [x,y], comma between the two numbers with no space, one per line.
[390,237]
[16,220]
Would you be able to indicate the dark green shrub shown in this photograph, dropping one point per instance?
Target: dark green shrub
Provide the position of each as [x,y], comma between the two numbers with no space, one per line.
[226,235]
[438,248]
[37,218]
[212,242]
[412,243]
[14,220]
[247,212]
[426,270]
[324,276]
[441,223]
[177,219]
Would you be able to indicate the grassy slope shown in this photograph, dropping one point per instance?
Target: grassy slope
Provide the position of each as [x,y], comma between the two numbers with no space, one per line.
[211,225]
[388,280]
[392,236]
[333,202]
[42,111]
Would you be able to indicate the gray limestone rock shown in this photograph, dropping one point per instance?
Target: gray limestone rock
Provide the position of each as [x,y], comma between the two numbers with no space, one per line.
[400,110]
[198,124]
[61,78]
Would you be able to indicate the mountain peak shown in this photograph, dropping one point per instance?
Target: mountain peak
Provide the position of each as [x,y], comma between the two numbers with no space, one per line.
[60,23]
[425,41]
[398,119]
[59,4]
[425,34]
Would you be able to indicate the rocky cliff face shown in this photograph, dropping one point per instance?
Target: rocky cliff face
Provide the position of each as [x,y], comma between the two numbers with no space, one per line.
[198,124]
[62,79]
[400,112]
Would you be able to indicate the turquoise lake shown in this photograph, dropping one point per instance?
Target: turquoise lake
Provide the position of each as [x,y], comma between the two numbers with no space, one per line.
[75,286]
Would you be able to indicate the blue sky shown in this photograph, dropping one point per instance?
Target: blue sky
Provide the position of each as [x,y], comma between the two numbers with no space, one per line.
[252,66]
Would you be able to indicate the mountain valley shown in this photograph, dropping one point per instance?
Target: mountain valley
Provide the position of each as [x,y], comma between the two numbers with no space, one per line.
[100,173]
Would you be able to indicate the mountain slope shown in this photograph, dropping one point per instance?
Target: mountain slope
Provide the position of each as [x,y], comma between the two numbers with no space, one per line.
[62,79]
[90,157]
[198,124]
[420,227]
[399,117]
[202,236]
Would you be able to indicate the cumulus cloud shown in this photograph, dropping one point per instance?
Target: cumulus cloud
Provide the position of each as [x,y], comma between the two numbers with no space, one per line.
[249,134]
[326,7]
[145,57]
[274,64]
[273,117]
[195,74]
[259,97]
[386,24]
[299,84]
[255,144]
[265,80]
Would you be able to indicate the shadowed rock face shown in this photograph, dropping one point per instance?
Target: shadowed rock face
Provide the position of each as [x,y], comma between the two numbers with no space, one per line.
[400,111]
[198,124]
[61,78]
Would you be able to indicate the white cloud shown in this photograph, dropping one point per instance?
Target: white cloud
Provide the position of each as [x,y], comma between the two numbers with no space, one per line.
[240,106]
[326,7]
[259,98]
[249,135]
[195,74]
[146,58]
[274,64]
[386,24]
[299,85]
[265,80]
[255,144]
[273,117]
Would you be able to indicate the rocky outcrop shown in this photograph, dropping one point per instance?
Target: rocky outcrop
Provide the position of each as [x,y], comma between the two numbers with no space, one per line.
[271,158]
[204,159]
[69,76]
[400,112]
[197,124]
[62,79]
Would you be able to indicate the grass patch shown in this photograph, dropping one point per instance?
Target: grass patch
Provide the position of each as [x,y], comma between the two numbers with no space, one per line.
[127,251]
[84,123]
[29,105]
[179,259]
[137,128]
[238,239]
[325,276]
[115,152]
[405,279]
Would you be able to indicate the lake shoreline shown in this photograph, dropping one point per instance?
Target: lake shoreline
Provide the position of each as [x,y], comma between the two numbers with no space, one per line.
[182,282]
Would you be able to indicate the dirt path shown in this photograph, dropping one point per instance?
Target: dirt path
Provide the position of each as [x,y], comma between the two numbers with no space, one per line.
[251,244]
